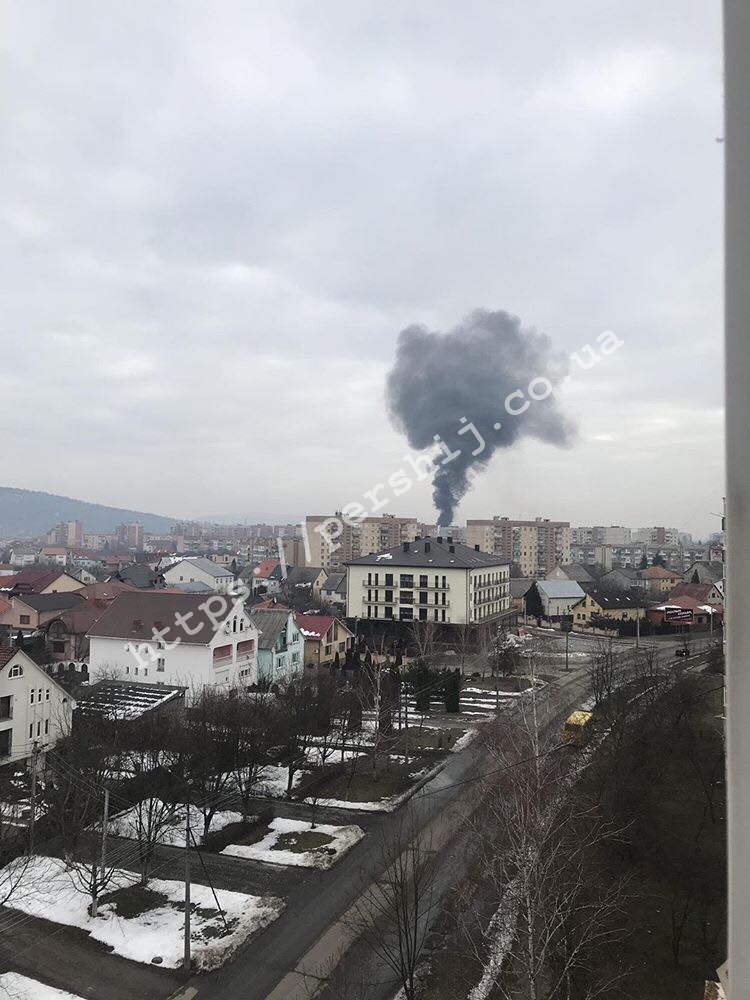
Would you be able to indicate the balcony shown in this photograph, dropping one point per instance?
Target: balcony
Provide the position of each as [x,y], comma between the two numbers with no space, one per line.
[412,604]
[395,586]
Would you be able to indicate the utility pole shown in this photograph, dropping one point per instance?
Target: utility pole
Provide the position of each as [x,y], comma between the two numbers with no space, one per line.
[186,957]
[32,820]
[567,641]
[103,859]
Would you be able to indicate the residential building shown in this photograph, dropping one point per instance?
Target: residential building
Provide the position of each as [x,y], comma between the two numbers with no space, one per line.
[519,588]
[306,579]
[326,639]
[620,578]
[28,612]
[281,646]
[130,536]
[330,540]
[205,645]
[573,571]
[23,555]
[53,555]
[267,577]
[536,546]
[702,615]
[553,598]
[34,708]
[196,569]
[378,534]
[333,592]
[67,533]
[430,579]
[658,536]
[659,580]
[139,575]
[703,571]
[598,604]
[39,580]
[704,593]
[600,534]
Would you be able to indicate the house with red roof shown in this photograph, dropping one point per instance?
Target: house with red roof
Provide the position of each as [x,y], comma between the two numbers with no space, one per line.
[325,638]
[659,580]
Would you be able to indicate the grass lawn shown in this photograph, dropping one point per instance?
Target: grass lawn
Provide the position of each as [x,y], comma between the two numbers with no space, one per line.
[301,843]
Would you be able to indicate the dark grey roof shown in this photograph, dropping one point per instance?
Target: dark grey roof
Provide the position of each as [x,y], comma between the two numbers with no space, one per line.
[135,615]
[576,571]
[336,583]
[139,574]
[50,602]
[431,554]
[615,601]
[303,574]
[626,571]
[270,624]
[520,586]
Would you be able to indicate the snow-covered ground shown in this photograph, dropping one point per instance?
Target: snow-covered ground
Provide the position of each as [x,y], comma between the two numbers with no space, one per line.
[16,987]
[47,890]
[127,824]
[273,781]
[342,838]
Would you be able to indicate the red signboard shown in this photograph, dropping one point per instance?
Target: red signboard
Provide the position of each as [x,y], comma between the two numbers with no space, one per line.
[678,616]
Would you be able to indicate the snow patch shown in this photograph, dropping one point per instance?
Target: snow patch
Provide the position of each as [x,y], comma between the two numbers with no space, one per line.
[342,839]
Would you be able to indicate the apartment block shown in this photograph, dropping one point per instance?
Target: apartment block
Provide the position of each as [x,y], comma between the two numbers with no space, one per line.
[537,546]
[600,534]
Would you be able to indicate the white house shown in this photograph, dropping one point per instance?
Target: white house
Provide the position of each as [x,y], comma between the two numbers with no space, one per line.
[556,597]
[429,579]
[34,708]
[281,646]
[187,639]
[23,555]
[196,569]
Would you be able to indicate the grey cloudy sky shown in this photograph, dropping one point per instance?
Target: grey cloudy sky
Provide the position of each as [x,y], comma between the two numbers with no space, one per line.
[216,218]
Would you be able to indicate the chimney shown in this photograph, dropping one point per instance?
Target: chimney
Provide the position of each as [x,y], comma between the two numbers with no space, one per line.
[427,546]
[476,548]
[405,546]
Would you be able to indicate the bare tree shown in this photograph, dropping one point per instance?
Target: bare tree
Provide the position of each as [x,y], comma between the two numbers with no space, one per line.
[394,914]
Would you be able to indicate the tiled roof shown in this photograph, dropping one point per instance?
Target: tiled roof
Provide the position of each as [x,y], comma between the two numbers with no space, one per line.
[136,615]
[658,573]
[314,626]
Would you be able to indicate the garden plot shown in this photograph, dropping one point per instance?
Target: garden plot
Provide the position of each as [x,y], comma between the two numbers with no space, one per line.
[146,924]
[17,987]
[293,842]
[132,825]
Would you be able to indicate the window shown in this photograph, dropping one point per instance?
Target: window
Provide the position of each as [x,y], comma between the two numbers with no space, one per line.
[31,696]
[31,731]
[407,580]
[423,614]
[423,580]
[389,597]
[389,579]
[406,597]
[39,728]
[46,727]
[46,695]
[16,670]
[406,614]
[25,619]
[40,695]
[423,597]
[160,665]
[389,612]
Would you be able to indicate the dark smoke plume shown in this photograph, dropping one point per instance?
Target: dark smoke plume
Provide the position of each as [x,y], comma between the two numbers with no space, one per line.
[469,372]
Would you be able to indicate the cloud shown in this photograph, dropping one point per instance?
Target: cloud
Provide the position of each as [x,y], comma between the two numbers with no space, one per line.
[230,214]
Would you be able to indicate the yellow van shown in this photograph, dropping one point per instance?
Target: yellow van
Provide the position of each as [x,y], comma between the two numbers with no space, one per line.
[578,728]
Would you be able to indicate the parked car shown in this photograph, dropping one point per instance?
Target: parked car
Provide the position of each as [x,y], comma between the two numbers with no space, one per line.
[682,651]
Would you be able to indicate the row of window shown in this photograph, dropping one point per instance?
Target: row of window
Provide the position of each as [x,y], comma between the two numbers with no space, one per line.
[406,580]
[406,597]
[37,695]
[39,729]
[406,614]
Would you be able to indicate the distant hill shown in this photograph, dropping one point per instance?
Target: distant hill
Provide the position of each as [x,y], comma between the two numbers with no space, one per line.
[28,514]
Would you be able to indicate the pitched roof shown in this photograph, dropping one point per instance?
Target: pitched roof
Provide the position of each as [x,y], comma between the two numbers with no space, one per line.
[104,591]
[205,565]
[6,655]
[626,571]
[658,573]
[32,580]
[335,583]
[269,604]
[50,602]
[139,574]
[430,553]
[560,589]
[268,569]
[303,575]
[576,571]
[520,586]
[315,626]
[136,615]
[687,602]
[612,602]
[699,591]
[270,623]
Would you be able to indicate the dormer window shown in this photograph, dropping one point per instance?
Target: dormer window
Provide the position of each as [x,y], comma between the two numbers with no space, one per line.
[16,670]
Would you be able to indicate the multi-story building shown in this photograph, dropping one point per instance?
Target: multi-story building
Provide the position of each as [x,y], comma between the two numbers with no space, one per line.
[657,536]
[199,570]
[380,533]
[130,536]
[537,546]
[34,709]
[68,533]
[162,637]
[600,534]
[330,541]
[429,579]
